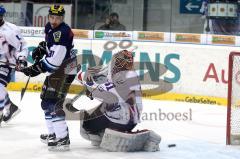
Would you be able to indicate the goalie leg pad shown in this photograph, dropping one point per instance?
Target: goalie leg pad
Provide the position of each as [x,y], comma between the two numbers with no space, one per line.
[152,144]
[129,142]
[94,138]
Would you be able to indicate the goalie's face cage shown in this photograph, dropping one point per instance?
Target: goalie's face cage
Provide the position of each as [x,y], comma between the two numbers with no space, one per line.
[124,60]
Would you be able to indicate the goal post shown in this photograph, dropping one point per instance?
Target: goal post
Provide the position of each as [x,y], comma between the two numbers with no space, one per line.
[233,100]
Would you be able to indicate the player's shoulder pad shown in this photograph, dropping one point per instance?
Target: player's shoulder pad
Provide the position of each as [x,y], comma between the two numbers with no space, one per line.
[65,29]
[131,74]
[64,34]
[13,31]
[12,27]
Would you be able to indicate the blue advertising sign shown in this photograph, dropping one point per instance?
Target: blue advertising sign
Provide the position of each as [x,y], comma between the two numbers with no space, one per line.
[190,6]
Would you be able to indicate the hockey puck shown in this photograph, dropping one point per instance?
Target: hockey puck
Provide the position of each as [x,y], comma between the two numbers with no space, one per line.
[171,145]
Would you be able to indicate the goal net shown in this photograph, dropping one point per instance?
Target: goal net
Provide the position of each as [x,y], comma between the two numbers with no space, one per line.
[233,105]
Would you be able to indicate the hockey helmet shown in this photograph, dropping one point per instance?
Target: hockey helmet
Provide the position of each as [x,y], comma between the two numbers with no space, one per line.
[124,60]
[2,10]
[57,10]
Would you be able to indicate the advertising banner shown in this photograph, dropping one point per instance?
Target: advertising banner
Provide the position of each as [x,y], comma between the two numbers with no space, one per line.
[82,34]
[149,36]
[32,31]
[187,38]
[182,72]
[113,35]
[222,39]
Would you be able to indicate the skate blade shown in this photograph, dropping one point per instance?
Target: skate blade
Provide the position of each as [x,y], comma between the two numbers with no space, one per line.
[44,141]
[59,148]
[14,114]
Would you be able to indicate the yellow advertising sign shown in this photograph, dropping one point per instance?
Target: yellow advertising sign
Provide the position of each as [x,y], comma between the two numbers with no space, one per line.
[158,36]
[223,39]
[189,38]
[79,33]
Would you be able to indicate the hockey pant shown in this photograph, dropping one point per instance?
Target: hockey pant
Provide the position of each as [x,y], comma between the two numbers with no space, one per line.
[54,91]
[96,122]
[5,77]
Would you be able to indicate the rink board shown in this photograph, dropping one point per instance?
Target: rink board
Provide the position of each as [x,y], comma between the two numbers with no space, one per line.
[194,73]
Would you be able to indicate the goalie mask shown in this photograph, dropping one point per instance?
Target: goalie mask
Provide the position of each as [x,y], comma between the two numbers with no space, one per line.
[123,60]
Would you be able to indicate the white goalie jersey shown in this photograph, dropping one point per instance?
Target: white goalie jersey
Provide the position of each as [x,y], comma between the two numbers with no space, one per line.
[12,44]
[121,93]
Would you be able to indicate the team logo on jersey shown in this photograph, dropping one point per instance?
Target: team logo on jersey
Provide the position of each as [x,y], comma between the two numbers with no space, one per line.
[57,36]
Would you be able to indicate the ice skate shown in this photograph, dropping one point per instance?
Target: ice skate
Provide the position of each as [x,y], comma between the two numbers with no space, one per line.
[45,138]
[11,111]
[59,144]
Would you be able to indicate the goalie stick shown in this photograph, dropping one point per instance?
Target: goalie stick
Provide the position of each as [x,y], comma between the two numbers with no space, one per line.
[69,105]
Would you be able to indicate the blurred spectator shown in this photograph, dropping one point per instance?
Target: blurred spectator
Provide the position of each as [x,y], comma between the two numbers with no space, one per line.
[220,22]
[112,23]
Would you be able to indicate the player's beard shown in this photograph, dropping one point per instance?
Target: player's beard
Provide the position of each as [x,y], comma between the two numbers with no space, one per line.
[54,25]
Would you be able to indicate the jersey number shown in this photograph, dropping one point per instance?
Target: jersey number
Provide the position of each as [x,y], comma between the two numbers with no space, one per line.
[51,53]
[109,85]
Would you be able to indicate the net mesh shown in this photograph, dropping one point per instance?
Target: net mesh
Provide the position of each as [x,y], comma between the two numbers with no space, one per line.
[235,98]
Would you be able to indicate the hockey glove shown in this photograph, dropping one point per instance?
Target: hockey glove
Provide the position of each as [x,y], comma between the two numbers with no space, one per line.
[21,63]
[39,52]
[89,94]
[33,70]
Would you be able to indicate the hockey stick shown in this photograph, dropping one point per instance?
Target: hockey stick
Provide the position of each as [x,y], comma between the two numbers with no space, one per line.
[77,96]
[67,69]
[25,88]
[69,105]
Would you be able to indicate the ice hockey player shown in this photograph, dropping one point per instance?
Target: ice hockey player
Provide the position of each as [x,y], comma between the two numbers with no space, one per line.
[110,124]
[13,55]
[50,56]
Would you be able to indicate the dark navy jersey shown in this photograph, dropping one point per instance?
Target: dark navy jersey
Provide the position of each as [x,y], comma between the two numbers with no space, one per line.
[59,46]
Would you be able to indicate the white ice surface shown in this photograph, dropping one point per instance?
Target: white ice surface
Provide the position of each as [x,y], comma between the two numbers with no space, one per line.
[201,137]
